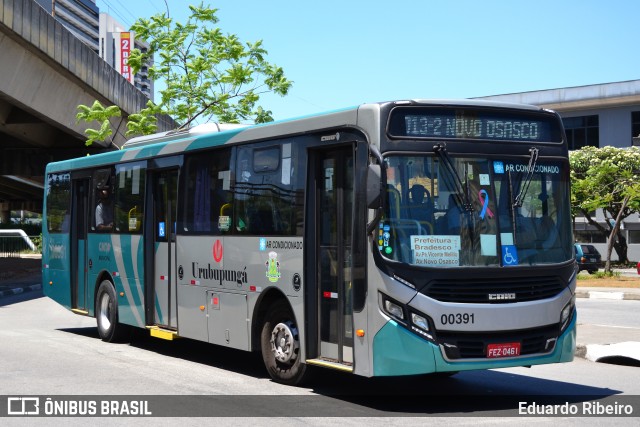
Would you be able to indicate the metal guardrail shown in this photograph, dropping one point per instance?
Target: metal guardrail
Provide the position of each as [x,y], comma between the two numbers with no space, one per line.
[14,242]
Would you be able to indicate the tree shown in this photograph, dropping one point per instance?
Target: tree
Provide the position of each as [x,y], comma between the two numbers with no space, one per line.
[97,112]
[207,75]
[606,178]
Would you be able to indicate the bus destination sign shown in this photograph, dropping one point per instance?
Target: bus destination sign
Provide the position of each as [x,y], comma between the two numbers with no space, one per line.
[474,124]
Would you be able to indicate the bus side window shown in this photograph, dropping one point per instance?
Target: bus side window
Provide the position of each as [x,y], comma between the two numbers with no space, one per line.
[129,197]
[104,210]
[260,174]
[266,200]
[103,220]
[58,202]
[207,194]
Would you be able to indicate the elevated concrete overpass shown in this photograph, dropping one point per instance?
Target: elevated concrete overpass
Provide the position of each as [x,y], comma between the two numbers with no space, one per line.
[45,73]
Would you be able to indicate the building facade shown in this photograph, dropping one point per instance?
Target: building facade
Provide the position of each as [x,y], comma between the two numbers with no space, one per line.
[103,34]
[594,115]
[113,49]
[81,17]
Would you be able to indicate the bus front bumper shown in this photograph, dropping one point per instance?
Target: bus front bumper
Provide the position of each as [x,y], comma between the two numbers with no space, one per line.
[397,351]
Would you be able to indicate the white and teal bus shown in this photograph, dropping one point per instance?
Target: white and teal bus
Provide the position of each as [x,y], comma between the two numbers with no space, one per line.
[387,239]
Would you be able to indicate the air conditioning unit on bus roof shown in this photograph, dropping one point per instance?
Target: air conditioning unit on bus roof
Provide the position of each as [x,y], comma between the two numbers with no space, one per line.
[202,129]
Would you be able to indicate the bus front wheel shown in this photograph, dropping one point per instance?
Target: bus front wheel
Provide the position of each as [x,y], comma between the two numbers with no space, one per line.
[280,343]
[107,314]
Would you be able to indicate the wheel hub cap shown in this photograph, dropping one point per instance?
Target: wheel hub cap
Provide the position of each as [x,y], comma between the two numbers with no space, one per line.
[284,343]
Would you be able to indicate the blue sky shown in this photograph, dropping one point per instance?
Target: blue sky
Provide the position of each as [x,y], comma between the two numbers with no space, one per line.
[341,53]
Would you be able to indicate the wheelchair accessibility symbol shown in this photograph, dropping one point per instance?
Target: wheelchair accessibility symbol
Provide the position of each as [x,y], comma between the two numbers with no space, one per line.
[509,255]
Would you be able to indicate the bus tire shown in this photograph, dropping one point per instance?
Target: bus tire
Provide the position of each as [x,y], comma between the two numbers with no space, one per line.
[107,314]
[280,344]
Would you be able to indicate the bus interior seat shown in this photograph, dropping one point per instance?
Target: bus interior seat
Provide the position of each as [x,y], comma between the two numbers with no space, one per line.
[262,218]
[420,206]
[526,232]
[547,233]
[449,223]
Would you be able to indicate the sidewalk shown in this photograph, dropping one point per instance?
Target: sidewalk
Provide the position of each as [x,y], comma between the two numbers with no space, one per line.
[608,293]
[600,342]
[18,275]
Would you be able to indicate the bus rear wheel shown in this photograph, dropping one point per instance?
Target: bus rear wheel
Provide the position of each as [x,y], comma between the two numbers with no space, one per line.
[107,314]
[280,344]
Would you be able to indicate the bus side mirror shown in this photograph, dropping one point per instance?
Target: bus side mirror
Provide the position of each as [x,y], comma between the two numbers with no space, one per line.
[373,186]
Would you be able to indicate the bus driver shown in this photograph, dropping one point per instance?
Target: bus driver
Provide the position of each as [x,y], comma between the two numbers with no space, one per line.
[104,211]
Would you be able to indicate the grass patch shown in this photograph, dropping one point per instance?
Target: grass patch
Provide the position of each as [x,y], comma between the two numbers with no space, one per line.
[599,275]
[601,279]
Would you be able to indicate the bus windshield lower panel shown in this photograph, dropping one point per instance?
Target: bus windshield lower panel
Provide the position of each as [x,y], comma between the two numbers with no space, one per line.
[447,211]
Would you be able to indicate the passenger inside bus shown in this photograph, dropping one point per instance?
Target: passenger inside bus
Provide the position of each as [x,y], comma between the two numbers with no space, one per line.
[420,204]
[104,210]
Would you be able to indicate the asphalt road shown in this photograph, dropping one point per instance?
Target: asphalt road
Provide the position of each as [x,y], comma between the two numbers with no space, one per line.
[48,351]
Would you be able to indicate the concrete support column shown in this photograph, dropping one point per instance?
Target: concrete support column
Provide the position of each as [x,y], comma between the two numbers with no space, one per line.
[5,213]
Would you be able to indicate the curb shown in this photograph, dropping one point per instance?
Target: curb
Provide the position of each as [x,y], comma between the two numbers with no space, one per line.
[19,290]
[599,352]
[581,351]
[608,295]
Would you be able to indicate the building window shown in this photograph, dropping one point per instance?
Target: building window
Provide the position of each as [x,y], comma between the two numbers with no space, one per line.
[635,124]
[582,131]
[634,237]
[589,236]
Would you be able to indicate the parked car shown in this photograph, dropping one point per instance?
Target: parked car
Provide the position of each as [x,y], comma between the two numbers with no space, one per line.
[588,257]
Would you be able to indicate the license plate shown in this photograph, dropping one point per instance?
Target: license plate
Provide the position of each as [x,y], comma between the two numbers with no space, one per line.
[509,349]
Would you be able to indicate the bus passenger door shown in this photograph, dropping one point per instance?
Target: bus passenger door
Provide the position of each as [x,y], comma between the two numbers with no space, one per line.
[78,249]
[334,215]
[164,184]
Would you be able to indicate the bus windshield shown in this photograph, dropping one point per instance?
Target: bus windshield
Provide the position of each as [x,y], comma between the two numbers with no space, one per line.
[447,211]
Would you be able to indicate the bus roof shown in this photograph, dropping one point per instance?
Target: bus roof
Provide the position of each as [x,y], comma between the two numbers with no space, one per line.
[212,134]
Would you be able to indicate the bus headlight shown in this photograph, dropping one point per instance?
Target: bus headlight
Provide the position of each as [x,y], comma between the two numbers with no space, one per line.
[565,315]
[420,321]
[393,309]
[409,318]
[420,325]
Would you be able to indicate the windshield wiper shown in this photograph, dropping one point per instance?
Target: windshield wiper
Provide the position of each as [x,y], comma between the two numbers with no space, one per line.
[465,204]
[524,186]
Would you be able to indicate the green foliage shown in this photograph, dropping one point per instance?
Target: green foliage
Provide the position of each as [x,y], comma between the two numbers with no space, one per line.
[599,275]
[37,241]
[144,122]
[208,75]
[606,178]
[101,114]
[603,178]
